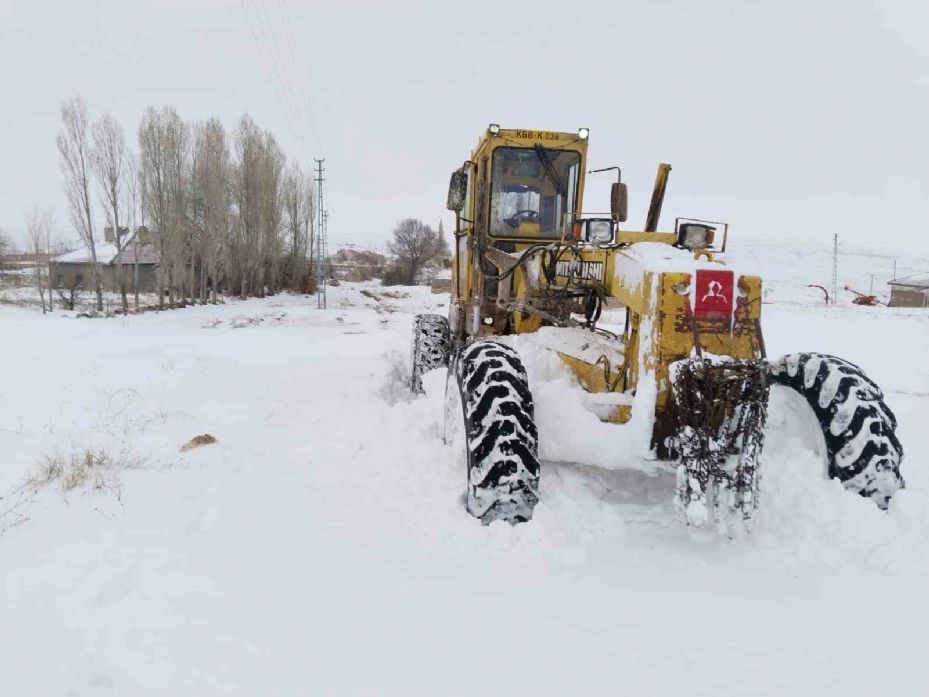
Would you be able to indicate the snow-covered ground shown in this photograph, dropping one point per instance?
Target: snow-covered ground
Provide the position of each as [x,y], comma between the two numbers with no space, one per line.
[321,546]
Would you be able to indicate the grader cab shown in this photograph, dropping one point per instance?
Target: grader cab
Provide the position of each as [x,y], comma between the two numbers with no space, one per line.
[689,355]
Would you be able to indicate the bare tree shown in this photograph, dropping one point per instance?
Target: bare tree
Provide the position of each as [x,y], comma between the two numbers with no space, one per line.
[224,210]
[74,151]
[6,247]
[271,174]
[179,238]
[39,231]
[164,153]
[69,295]
[135,206]
[210,201]
[299,213]
[414,243]
[257,244]
[247,143]
[309,225]
[153,172]
[109,163]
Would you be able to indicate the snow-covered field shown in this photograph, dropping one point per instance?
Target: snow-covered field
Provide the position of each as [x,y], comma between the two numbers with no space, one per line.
[321,547]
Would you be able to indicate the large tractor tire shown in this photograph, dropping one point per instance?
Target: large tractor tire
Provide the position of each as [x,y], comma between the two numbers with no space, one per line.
[490,420]
[431,347]
[862,449]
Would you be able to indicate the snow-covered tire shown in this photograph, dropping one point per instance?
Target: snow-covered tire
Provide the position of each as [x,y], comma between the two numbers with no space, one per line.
[431,347]
[500,439]
[858,428]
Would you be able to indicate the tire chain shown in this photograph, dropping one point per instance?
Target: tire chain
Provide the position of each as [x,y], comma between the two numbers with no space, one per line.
[719,410]
[431,347]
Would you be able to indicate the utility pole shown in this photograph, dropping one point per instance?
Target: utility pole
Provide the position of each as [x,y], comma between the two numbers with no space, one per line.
[835,267]
[322,252]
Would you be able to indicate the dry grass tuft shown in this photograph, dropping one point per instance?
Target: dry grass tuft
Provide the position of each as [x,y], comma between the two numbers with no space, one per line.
[92,466]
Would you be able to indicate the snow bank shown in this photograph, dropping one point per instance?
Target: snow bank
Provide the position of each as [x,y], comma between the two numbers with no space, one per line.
[325,529]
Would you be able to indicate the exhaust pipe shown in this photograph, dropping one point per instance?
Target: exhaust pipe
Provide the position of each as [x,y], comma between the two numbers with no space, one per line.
[654,208]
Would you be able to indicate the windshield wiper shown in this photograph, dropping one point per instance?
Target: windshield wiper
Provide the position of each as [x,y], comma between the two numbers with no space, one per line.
[550,170]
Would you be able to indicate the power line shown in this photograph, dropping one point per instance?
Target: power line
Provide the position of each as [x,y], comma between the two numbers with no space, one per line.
[288,77]
[272,75]
[301,74]
[285,71]
[264,41]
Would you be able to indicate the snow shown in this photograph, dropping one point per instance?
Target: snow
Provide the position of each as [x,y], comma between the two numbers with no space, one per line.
[575,341]
[920,280]
[321,545]
[658,257]
[106,252]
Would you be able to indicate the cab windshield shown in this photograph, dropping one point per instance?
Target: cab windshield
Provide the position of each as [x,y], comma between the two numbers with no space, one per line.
[533,192]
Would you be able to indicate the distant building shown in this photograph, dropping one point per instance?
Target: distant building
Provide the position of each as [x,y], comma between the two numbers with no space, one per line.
[356,265]
[435,268]
[24,260]
[75,269]
[424,275]
[442,281]
[912,291]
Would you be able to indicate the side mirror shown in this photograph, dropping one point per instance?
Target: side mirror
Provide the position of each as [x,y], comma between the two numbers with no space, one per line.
[457,191]
[619,202]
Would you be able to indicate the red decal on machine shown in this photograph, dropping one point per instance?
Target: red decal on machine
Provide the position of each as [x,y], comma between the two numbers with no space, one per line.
[714,293]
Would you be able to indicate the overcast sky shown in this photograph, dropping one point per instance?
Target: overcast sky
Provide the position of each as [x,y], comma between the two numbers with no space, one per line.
[787,119]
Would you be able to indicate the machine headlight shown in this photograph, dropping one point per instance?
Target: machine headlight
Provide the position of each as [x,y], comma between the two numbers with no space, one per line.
[583,133]
[494,128]
[695,236]
[598,231]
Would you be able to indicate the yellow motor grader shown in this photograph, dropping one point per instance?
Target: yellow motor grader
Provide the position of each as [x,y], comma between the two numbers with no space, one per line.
[689,361]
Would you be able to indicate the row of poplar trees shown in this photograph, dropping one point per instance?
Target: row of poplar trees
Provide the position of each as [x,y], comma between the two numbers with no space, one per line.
[225,211]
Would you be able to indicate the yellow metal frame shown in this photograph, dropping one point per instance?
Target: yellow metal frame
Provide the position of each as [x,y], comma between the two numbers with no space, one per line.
[648,296]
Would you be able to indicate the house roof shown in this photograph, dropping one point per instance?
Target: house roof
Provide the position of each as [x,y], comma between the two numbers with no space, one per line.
[106,254]
[918,281]
[147,254]
[357,256]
